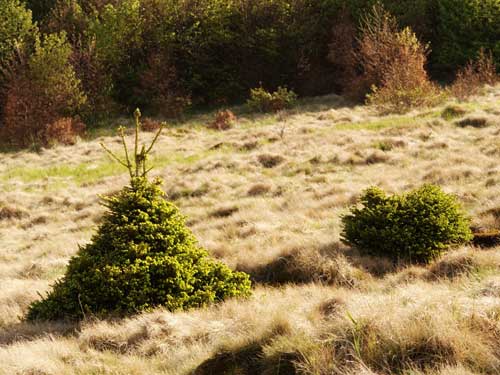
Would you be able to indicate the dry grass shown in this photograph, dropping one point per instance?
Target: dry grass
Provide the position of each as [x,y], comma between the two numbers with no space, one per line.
[318,307]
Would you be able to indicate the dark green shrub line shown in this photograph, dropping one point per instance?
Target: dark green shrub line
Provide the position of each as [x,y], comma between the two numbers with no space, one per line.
[417,226]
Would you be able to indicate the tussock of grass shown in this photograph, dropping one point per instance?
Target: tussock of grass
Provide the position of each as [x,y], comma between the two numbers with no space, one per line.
[259,189]
[270,161]
[303,266]
[8,212]
[477,121]
[453,111]
[224,212]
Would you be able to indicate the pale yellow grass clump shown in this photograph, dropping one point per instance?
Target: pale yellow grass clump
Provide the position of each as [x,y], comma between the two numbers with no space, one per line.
[266,197]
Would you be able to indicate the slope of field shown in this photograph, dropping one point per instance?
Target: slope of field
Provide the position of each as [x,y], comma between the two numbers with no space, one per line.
[266,197]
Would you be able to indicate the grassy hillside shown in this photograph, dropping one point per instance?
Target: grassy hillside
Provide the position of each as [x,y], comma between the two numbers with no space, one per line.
[266,197]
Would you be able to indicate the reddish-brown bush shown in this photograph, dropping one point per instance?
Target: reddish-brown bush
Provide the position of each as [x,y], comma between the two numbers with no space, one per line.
[41,91]
[150,125]
[405,83]
[224,120]
[474,75]
[28,120]
[64,131]
[393,65]
[23,112]
[378,46]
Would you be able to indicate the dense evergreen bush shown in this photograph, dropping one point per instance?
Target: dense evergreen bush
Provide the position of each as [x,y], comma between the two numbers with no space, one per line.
[417,226]
[265,101]
[142,256]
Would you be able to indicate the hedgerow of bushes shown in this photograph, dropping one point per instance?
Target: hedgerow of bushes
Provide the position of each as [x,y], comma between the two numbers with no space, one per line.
[417,226]
[166,55]
[43,90]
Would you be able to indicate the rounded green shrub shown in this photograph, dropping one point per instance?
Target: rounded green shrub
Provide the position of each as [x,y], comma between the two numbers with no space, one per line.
[142,256]
[417,226]
[265,101]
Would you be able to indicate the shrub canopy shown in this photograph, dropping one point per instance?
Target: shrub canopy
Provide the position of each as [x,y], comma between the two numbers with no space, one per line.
[42,90]
[417,226]
[15,27]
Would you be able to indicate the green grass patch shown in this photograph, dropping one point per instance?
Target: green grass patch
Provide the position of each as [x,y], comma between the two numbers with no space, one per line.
[79,173]
[91,172]
[54,272]
[384,123]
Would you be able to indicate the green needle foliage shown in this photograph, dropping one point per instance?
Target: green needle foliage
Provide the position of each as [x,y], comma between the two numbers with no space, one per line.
[417,226]
[142,256]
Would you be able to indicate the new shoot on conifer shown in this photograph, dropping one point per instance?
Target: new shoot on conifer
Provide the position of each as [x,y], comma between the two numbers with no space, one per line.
[136,165]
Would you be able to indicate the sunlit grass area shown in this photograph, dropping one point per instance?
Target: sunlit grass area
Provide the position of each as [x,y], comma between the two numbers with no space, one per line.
[266,197]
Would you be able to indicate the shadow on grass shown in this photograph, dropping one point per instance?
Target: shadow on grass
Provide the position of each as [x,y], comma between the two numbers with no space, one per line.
[251,359]
[25,331]
[330,264]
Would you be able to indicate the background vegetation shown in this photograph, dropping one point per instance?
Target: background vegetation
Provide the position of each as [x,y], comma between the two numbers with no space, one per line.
[165,55]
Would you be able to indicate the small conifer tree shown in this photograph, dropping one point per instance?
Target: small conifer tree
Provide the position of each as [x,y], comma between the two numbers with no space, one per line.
[142,256]
[417,226]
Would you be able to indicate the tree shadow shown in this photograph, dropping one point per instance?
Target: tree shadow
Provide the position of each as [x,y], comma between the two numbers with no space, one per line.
[24,331]
[331,264]
[251,359]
